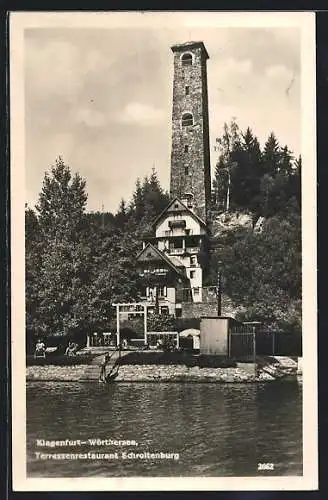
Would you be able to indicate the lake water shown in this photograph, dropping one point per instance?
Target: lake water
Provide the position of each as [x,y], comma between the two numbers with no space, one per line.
[217,429]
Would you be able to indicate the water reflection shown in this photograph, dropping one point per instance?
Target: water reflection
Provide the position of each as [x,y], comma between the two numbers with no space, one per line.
[218,430]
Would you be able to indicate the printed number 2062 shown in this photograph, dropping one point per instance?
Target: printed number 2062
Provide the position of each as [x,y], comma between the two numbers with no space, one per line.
[265,466]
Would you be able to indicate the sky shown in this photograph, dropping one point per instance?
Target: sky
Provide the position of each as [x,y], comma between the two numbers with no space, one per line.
[102,98]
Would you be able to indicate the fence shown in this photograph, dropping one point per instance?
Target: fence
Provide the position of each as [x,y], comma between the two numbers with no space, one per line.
[277,343]
[245,343]
[208,294]
[102,339]
[242,343]
[165,338]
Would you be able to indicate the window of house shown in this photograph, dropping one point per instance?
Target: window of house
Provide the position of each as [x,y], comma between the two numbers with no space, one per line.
[186,59]
[165,310]
[176,205]
[196,291]
[187,90]
[187,120]
[193,260]
[186,170]
[178,313]
[186,148]
[192,274]
[162,291]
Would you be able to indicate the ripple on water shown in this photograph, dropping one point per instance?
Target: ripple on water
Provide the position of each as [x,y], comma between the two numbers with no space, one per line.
[218,430]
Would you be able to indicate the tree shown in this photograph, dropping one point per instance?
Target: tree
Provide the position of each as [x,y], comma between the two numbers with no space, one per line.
[121,216]
[34,324]
[228,146]
[271,156]
[114,278]
[247,179]
[62,203]
[262,271]
[65,260]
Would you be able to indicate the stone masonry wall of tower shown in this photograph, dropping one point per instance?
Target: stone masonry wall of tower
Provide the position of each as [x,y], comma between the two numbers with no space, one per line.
[190,155]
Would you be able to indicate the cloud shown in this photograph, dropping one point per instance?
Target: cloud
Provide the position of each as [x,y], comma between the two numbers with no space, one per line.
[278,71]
[141,114]
[90,117]
[99,96]
[234,66]
[52,68]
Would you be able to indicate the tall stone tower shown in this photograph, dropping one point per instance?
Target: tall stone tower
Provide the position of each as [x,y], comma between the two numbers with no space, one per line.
[190,154]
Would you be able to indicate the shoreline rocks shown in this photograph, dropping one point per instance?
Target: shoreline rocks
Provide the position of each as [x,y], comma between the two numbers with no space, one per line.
[147,373]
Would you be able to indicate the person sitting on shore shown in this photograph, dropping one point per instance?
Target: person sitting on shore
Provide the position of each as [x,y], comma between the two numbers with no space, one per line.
[40,349]
[71,349]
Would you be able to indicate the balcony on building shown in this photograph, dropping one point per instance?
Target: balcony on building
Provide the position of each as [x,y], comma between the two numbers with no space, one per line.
[157,271]
[177,223]
[193,245]
[177,246]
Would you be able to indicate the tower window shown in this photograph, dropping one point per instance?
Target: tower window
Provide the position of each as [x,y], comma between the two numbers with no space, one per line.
[186,148]
[186,59]
[186,170]
[187,90]
[187,119]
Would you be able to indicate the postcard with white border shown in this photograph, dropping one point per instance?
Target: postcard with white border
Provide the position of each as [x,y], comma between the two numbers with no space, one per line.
[163,172]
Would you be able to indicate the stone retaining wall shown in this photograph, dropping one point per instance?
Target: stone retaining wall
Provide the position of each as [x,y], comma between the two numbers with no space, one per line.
[144,373]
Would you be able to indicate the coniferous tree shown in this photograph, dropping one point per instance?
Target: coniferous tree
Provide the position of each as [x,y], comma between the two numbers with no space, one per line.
[262,270]
[64,268]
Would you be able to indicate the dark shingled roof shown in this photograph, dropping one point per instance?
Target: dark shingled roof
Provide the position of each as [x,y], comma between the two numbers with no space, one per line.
[179,270]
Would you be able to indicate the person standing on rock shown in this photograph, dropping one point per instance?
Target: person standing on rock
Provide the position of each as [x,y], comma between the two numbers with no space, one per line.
[102,375]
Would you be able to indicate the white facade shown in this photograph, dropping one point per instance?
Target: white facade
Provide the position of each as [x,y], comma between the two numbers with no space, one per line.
[166,297]
[181,235]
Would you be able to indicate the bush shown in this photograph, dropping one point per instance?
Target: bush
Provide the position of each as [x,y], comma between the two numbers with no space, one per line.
[176,358]
[84,359]
[161,323]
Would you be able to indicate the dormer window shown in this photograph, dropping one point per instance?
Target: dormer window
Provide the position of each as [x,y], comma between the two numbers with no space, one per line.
[186,59]
[187,120]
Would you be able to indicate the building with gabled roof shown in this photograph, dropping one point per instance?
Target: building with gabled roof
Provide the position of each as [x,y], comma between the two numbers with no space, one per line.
[175,257]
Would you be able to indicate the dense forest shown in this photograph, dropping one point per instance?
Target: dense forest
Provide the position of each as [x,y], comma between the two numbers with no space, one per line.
[261,266]
[79,263]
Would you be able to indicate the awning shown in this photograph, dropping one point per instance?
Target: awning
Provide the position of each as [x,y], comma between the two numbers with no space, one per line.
[190,332]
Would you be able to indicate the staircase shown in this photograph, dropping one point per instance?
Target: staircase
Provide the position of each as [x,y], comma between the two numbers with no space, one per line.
[279,367]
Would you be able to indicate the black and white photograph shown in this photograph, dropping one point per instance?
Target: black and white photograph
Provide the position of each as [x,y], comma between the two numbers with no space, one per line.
[163,241]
